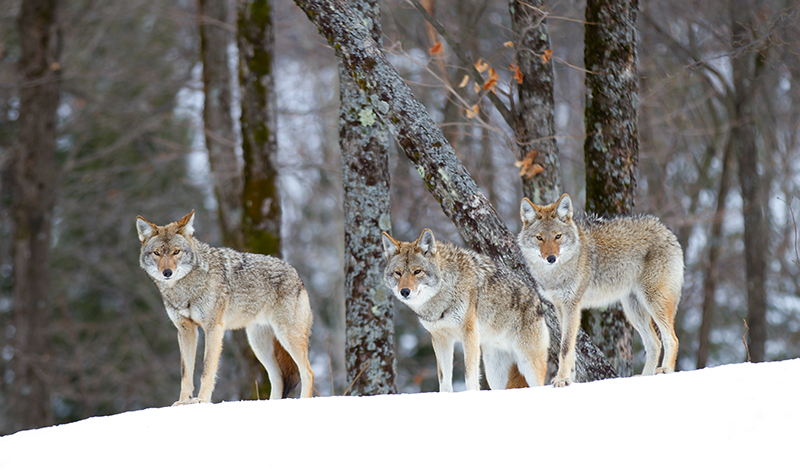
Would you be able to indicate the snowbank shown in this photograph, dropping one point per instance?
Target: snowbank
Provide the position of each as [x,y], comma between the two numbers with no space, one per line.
[730,419]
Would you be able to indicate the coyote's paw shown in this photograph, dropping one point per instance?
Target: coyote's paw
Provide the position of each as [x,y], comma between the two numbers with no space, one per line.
[561,382]
[663,370]
[193,400]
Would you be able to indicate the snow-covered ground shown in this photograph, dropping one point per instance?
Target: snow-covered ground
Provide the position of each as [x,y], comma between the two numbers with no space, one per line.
[741,418]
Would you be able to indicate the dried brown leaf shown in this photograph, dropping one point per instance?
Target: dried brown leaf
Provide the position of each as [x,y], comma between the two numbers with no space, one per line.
[481,65]
[517,73]
[534,170]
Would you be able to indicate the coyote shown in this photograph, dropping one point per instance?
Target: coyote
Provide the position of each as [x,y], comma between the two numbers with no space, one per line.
[460,295]
[593,262]
[220,289]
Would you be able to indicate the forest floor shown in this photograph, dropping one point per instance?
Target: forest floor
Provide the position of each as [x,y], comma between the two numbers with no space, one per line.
[739,418]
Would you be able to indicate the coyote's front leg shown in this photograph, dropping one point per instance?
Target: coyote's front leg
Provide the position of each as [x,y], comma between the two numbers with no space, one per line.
[187,343]
[213,350]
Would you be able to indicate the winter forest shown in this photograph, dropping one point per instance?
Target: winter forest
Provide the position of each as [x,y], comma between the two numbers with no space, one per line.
[305,129]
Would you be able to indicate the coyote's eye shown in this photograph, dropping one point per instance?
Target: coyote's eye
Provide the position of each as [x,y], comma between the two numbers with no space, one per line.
[176,252]
[398,274]
[539,238]
[558,236]
[418,272]
[156,253]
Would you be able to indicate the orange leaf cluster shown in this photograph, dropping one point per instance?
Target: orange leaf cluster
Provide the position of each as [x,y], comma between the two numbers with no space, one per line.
[436,49]
[473,111]
[527,167]
[517,73]
[481,65]
[546,55]
[492,82]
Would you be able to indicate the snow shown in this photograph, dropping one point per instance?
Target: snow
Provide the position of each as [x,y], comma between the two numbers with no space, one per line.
[740,418]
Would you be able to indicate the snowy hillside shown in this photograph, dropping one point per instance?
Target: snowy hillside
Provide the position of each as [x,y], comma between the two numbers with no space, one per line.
[732,419]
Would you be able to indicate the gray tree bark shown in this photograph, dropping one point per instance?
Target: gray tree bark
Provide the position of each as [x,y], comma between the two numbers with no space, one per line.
[261,219]
[215,37]
[364,143]
[535,106]
[260,199]
[442,172]
[745,67]
[34,170]
[611,149]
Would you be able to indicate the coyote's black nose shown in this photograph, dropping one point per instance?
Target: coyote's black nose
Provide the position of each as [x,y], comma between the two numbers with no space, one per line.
[167,273]
[405,293]
[551,259]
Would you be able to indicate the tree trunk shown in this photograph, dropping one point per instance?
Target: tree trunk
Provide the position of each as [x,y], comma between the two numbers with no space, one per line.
[535,107]
[712,268]
[611,149]
[756,241]
[215,38]
[444,175]
[261,223]
[35,170]
[364,143]
[260,200]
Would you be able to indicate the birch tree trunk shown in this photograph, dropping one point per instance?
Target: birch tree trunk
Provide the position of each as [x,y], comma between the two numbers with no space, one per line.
[393,103]
[364,143]
[611,149]
[34,170]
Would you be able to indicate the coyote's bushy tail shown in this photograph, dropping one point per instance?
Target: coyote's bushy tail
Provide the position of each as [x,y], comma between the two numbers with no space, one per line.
[289,371]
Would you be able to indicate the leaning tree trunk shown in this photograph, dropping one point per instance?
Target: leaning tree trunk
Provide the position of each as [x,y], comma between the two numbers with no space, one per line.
[756,241]
[392,101]
[611,149]
[35,171]
[535,106]
[364,143]
[260,199]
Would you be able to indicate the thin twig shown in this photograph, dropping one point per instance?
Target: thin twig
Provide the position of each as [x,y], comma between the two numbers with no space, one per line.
[744,340]
[465,58]
[450,89]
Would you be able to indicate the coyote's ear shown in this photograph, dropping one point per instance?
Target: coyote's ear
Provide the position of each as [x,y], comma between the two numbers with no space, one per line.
[564,207]
[390,246]
[528,211]
[426,242]
[186,225]
[145,228]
